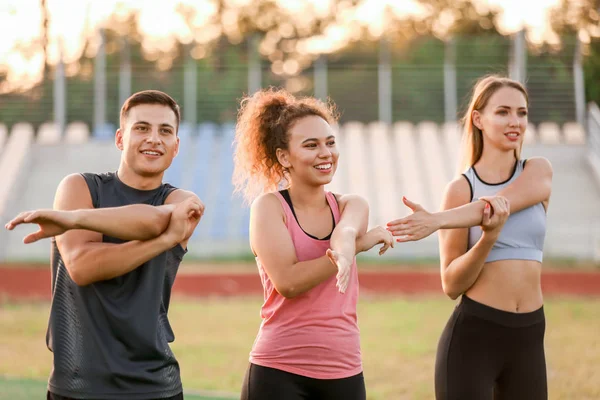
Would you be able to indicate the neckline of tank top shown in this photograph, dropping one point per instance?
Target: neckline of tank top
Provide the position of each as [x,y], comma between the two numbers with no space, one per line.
[499,183]
[123,186]
[288,199]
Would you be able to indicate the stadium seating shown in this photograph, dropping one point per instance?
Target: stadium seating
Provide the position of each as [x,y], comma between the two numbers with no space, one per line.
[77,133]
[381,163]
[48,134]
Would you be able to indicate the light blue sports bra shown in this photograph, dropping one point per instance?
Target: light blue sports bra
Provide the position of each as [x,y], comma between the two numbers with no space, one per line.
[522,236]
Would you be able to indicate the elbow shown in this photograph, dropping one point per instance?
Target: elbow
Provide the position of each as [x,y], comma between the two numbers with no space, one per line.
[347,232]
[450,290]
[289,292]
[452,294]
[77,275]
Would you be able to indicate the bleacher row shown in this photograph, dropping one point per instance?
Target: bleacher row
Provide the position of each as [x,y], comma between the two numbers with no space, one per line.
[78,132]
[379,162]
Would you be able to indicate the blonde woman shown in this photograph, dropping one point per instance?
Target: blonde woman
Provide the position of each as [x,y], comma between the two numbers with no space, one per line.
[493,344]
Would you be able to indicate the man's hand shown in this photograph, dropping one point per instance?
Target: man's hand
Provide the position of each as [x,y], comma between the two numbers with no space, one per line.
[183,220]
[51,223]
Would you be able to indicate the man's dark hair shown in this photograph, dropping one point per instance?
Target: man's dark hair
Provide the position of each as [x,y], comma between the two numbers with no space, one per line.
[149,97]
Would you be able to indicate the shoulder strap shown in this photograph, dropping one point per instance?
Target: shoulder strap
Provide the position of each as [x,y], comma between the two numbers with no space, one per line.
[93,182]
[469,175]
[165,191]
[335,207]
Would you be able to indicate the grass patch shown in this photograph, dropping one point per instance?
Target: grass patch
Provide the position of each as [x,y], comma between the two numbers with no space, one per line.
[399,340]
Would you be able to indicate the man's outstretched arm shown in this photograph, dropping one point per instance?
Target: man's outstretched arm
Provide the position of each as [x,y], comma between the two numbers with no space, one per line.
[132,222]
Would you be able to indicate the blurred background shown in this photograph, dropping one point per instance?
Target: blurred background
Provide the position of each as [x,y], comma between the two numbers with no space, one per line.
[400,72]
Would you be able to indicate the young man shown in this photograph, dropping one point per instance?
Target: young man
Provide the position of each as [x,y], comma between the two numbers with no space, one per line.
[118,239]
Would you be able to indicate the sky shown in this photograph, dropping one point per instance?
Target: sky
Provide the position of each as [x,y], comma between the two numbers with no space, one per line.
[71,20]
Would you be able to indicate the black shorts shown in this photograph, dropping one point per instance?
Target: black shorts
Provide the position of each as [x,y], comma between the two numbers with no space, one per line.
[262,383]
[52,396]
[485,353]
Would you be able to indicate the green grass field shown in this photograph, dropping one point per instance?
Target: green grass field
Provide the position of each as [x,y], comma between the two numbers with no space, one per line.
[399,339]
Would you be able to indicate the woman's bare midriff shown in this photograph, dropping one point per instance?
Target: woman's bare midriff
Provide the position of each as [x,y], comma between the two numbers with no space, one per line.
[509,285]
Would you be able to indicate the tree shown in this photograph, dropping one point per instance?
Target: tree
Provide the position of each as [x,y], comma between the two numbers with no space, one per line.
[582,18]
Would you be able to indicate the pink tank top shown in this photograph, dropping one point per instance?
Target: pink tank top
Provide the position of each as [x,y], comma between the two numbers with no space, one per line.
[316,333]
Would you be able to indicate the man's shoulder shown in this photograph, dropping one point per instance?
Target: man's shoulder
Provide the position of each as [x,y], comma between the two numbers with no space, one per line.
[100,177]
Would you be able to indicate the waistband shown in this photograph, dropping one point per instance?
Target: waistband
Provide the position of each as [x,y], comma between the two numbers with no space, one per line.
[501,317]
[515,253]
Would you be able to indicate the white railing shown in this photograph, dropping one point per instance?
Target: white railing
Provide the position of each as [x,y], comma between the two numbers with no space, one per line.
[12,159]
[594,157]
[594,139]
[594,128]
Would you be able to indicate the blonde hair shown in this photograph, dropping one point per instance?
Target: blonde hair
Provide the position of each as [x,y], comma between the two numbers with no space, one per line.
[262,127]
[485,87]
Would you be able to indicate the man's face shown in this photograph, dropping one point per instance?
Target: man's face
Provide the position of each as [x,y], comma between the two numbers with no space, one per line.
[148,139]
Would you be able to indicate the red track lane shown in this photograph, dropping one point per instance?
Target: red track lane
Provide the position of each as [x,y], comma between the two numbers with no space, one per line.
[34,283]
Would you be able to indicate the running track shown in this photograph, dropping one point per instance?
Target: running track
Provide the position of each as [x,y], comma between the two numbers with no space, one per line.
[27,283]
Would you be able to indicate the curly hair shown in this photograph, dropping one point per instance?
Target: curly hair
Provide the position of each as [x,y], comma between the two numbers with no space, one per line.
[263,125]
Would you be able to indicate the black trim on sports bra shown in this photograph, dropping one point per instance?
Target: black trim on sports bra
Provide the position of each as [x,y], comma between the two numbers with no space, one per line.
[500,183]
[288,199]
[470,186]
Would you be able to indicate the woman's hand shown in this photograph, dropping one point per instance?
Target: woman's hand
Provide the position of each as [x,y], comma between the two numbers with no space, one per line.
[344,266]
[416,226]
[374,237]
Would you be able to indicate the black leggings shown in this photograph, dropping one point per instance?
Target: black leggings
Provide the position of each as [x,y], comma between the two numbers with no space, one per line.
[52,396]
[485,353]
[263,383]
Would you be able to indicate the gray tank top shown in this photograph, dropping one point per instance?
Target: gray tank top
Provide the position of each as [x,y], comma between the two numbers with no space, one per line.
[111,339]
[522,236]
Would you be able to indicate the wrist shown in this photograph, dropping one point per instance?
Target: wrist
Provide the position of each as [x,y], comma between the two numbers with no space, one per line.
[167,241]
[489,236]
[359,248]
[78,218]
[440,220]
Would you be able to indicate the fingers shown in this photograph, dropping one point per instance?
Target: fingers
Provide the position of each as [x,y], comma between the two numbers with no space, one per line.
[499,203]
[33,237]
[406,238]
[400,226]
[398,223]
[495,212]
[384,248]
[487,199]
[486,214]
[343,275]
[19,219]
[194,214]
[342,284]
[187,208]
[403,231]
[30,217]
[500,206]
[388,242]
[412,205]
[332,257]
